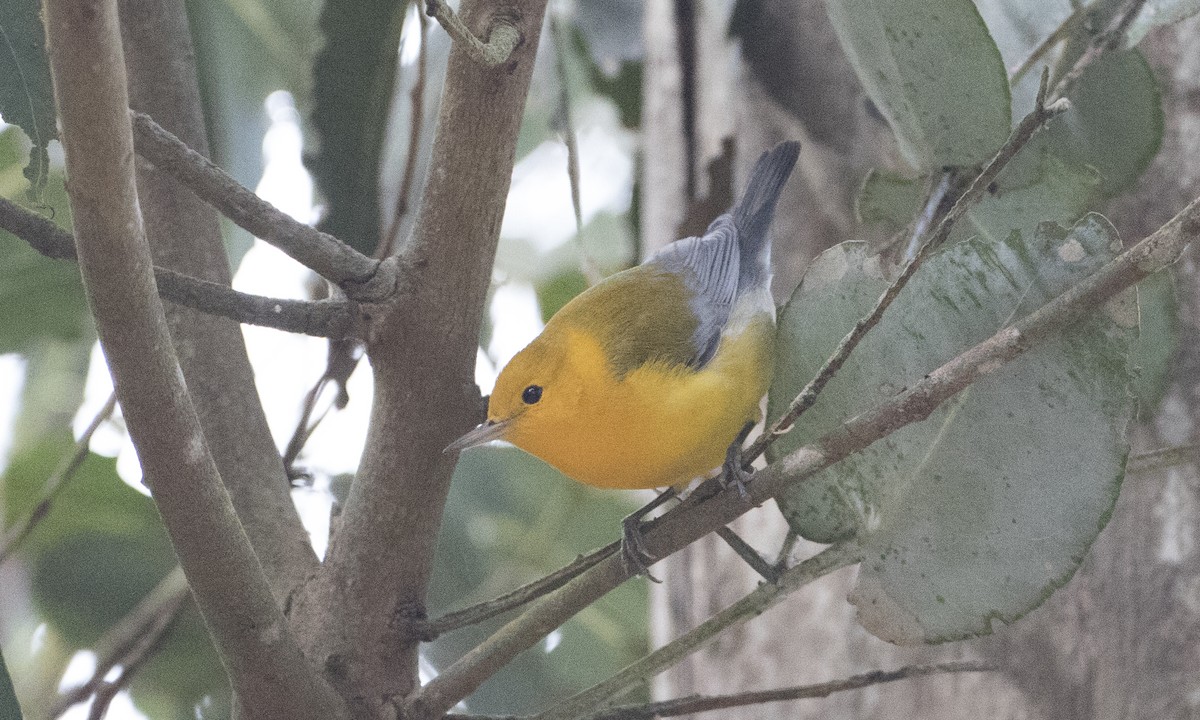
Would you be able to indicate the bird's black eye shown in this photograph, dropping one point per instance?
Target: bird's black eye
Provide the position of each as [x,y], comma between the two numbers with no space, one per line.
[531,394]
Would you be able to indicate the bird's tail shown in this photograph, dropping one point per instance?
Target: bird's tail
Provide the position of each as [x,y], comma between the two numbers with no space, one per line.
[753,213]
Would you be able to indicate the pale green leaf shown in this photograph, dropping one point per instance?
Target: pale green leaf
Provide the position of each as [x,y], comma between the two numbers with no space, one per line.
[978,513]
[888,199]
[933,71]
[352,93]
[1115,123]
[1157,342]
[26,95]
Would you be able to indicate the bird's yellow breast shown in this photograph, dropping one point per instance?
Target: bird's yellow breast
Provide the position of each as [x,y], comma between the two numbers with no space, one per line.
[657,425]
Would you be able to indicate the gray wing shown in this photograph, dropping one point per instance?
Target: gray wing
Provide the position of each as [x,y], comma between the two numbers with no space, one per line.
[710,267]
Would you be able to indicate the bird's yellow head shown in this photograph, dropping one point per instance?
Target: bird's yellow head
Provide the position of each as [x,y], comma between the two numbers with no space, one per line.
[536,396]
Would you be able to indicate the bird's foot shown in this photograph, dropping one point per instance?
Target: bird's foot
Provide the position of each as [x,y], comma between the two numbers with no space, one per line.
[633,546]
[733,471]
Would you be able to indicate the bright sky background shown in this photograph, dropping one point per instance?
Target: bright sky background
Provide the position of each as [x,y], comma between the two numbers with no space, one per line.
[538,212]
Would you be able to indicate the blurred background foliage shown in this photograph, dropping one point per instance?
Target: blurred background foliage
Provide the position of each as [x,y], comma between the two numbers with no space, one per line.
[350,69]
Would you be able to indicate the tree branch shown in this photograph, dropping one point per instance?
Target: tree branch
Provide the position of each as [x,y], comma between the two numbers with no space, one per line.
[752,605]
[268,672]
[428,630]
[324,318]
[184,234]
[358,613]
[361,277]
[701,703]
[503,37]
[1021,135]
[335,319]
[1163,458]
[695,518]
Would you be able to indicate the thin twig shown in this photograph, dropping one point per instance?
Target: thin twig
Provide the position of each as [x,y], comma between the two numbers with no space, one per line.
[748,554]
[808,396]
[785,549]
[755,603]
[1101,45]
[586,263]
[502,40]
[325,318]
[341,361]
[134,660]
[21,529]
[361,277]
[132,639]
[701,703]
[1055,37]
[428,630]
[687,522]
[1163,458]
[387,244]
[334,319]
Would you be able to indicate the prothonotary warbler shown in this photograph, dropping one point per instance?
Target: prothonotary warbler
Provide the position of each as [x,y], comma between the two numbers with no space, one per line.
[644,379]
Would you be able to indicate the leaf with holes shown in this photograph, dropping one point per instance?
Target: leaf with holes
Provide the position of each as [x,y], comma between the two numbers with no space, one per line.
[975,515]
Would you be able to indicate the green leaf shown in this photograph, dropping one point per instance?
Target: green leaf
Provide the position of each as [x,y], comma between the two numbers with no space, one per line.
[1115,123]
[9,708]
[1037,188]
[558,291]
[1156,13]
[184,673]
[98,550]
[352,94]
[888,199]
[245,50]
[933,71]
[26,94]
[978,513]
[42,298]
[623,85]
[1157,341]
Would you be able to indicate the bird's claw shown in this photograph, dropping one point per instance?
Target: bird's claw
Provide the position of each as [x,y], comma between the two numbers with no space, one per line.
[733,472]
[633,548]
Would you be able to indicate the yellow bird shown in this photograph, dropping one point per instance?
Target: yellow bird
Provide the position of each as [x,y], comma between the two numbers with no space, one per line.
[645,379]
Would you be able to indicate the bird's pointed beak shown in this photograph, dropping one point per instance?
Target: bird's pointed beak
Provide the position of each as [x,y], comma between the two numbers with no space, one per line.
[488,431]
